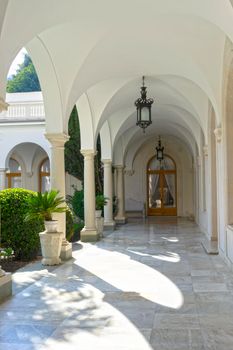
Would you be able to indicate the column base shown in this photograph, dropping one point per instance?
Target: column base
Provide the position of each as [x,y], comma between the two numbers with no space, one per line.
[120,220]
[109,225]
[66,251]
[51,261]
[5,286]
[87,235]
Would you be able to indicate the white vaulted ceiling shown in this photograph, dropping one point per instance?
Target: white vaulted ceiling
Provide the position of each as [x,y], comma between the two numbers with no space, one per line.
[94,53]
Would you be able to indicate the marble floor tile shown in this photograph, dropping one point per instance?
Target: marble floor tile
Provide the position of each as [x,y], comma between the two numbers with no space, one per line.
[148,285]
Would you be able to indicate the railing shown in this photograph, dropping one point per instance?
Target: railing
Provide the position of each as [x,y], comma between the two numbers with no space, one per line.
[23,112]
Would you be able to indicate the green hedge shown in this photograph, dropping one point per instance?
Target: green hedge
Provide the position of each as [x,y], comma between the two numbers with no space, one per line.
[21,236]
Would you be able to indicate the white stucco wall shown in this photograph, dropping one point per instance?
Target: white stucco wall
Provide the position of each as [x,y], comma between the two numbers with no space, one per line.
[136,180]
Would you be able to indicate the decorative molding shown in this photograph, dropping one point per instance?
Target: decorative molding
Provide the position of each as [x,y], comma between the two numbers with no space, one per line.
[107,162]
[129,172]
[205,150]
[198,161]
[218,134]
[119,167]
[29,173]
[3,105]
[88,153]
[57,139]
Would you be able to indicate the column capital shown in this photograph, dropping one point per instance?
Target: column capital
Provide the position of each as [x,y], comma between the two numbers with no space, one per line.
[218,134]
[88,153]
[129,172]
[106,162]
[119,167]
[205,150]
[57,139]
[3,105]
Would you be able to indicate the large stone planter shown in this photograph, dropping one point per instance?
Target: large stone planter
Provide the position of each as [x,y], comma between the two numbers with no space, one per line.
[51,247]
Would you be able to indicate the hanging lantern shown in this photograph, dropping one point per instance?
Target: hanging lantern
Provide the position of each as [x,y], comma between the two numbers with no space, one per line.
[143,105]
[159,150]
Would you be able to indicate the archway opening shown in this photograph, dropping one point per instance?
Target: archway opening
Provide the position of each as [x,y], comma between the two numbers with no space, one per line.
[161,187]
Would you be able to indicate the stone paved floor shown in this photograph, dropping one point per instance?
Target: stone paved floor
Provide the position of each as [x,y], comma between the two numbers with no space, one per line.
[145,286]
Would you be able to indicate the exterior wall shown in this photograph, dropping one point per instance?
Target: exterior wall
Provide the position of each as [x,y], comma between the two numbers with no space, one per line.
[136,180]
[22,129]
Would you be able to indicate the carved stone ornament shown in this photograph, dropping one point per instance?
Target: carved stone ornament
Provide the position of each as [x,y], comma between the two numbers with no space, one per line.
[129,172]
[218,134]
[205,150]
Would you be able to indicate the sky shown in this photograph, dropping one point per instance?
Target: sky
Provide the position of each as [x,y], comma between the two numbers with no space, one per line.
[18,59]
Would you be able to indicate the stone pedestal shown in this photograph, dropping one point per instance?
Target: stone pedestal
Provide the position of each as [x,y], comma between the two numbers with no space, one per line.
[66,250]
[100,226]
[51,247]
[5,285]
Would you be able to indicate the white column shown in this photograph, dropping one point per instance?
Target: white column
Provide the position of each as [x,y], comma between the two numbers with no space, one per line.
[221,183]
[57,181]
[2,179]
[89,232]
[108,192]
[120,217]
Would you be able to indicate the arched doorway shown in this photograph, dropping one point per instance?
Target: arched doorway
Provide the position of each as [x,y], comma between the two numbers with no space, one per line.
[161,187]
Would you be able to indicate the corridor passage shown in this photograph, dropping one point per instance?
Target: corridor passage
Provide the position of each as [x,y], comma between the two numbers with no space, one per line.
[148,285]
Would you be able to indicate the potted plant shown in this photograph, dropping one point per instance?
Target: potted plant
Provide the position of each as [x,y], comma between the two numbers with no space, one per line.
[42,206]
[100,202]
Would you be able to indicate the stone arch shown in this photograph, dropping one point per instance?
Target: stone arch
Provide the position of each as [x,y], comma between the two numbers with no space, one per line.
[86,123]
[53,99]
[28,155]
[106,142]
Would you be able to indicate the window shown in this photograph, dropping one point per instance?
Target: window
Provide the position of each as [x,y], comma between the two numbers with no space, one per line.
[44,176]
[14,179]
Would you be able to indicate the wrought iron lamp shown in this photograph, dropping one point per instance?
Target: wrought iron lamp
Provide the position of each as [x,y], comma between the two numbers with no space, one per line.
[143,105]
[159,150]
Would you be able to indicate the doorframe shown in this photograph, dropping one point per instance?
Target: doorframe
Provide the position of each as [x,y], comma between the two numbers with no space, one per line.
[154,212]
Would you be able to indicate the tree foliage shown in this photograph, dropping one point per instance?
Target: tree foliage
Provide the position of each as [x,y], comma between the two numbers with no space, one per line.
[25,79]
[74,163]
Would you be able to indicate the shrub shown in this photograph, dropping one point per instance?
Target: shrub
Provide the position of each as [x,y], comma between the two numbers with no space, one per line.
[76,203]
[21,236]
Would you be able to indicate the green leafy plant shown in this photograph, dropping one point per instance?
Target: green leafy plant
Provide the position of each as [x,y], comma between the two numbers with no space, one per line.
[76,203]
[100,201]
[43,205]
[21,236]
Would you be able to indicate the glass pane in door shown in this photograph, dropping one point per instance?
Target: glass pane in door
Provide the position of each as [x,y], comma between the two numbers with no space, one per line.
[169,191]
[154,191]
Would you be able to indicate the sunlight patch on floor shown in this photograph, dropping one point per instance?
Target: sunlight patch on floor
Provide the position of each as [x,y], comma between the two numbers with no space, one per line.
[123,273]
[168,256]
